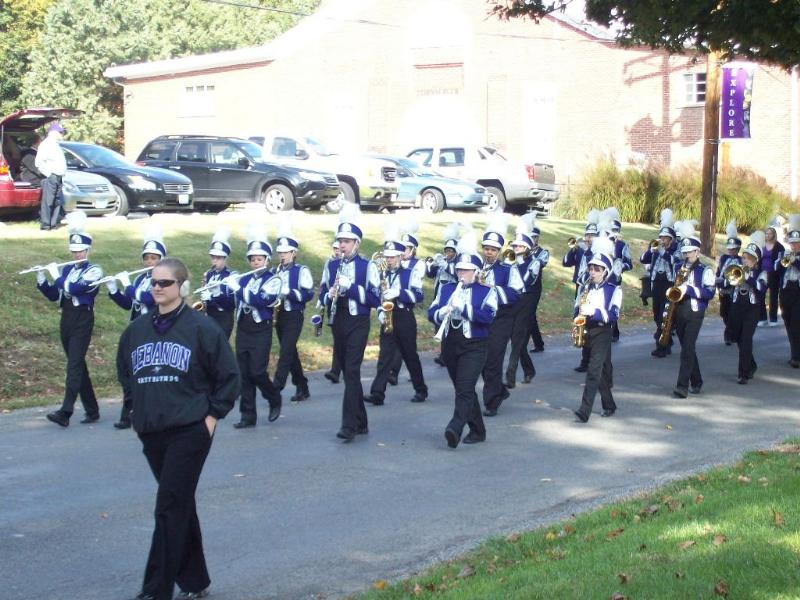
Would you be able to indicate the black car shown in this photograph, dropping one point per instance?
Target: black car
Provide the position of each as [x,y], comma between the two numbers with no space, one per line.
[137,187]
[226,170]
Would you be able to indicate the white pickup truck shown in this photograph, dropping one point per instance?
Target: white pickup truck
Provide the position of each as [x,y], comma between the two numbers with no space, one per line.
[367,181]
[511,184]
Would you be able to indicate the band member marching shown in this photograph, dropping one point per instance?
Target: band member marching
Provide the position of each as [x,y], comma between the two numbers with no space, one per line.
[463,312]
[401,291]
[622,257]
[529,269]
[749,283]
[772,251]
[733,244]
[578,256]
[694,285]
[297,288]
[596,308]
[788,268]
[350,289]
[660,256]
[137,297]
[508,286]
[335,371]
[256,295]
[543,256]
[442,267]
[219,300]
[72,287]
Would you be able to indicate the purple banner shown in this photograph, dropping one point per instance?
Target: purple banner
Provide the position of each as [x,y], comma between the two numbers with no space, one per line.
[735,101]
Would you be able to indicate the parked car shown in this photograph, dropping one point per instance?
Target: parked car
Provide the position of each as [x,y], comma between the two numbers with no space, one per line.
[226,170]
[136,187]
[510,183]
[91,193]
[16,132]
[422,187]
[367,181]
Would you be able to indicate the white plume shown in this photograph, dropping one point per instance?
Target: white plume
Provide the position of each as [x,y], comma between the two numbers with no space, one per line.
[685,228]
[612,214]
[468,242]
[498,224]
[730,230]
[410,224]
[603,244]
[350,213]
[391,231]
[758,238]
[667,218]
[526,223]
[593,216]
[793,223]
[222,234]
[452,231]
[605,224]
[777,222]
[255,232]
[76,221]
[154,233]
[285,224]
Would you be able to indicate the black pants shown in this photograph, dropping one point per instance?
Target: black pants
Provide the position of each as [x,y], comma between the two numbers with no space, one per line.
[724,312]
[533,327]
[660,286]
[253,343]
[290,325]
[520,332]
[687,326]
[77,323]
[465,359]
[52,200]
[743,320]
[790,310]
[494,392]
[598,373]
[350,335]
[401,343]
[223,318]
[770,298]
[336,366]
[176,457]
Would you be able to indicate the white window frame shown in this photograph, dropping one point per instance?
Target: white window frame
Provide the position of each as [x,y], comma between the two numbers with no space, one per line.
[693,89]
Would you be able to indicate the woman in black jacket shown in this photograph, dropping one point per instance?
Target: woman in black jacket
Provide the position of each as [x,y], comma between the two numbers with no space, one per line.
[181,374]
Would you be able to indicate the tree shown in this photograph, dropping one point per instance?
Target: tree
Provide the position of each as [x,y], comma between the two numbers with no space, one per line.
[83,37]
[762,30]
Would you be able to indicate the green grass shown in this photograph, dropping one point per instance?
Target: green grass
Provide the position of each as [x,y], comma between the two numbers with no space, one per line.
[31,358]
[730,532]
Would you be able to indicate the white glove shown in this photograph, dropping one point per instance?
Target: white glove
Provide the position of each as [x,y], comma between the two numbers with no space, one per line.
[40,277]
[232,283]
[344,283]
[381,317]
[582,245]
[440,262]
[285,290]
[617,268]
[215,291]
[391,294]
[124,278]
[53,270]
[112,287]
[205,295]
[684,287]
[586,309]
[458,303]
[443,312]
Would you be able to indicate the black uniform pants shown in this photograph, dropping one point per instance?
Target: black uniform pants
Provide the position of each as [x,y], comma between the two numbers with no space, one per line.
[253,343]
[598,372]
[660,286]
[520,332]
[52,199]
[687,326]
[464,359]
[790,310]
[401,343]
[176,457]
[533,327]
[769,303]
[494,392]
[350,333]
[223,318]
[724,312]
[77,323]
[743,320]
[336,366]
[290,325]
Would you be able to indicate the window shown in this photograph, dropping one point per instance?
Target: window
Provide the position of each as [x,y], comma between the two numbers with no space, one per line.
[223,153]
[694,88]
[451,157]
[73,162]
[422,155]
[198,101]
[192,152]
[282,146]
[160,150]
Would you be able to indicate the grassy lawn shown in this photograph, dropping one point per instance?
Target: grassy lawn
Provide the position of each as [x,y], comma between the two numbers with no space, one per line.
[730,532]
[31,359]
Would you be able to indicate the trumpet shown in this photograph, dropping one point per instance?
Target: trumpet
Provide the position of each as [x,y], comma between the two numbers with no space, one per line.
[108,278]
[655,243]
[38,268]
[735,275]
[788,259]
[435,259]
[571,242]
[509,255]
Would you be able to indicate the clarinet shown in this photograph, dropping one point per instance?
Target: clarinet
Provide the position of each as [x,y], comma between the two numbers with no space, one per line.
[446,321]
[332,311]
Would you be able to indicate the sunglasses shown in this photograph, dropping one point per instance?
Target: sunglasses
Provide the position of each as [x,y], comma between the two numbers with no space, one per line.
[162,283]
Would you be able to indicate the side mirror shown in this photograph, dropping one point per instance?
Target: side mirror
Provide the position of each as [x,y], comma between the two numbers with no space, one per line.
[244,162]
[301,154]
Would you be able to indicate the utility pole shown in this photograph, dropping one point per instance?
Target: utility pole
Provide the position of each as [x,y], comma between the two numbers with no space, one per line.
[708,202]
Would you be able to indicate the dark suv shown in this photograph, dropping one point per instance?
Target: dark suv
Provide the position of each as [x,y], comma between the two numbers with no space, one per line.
[226,170]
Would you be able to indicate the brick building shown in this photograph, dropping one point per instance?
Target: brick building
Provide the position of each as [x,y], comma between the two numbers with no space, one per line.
[384,76]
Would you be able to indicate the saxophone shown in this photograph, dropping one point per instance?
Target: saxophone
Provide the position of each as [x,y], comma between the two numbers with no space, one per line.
[200,305]
[276,310]
[579,322]
[674,296]
[484,273]
[388,306]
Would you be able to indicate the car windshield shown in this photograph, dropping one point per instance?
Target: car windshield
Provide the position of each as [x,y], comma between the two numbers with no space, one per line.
[318,147]
[416,168]
[97,156]
[254,150]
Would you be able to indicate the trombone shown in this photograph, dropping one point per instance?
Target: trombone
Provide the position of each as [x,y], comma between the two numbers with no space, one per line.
[108,278]
[38,268]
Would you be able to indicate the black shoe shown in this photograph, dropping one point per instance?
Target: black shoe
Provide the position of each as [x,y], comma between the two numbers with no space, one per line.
[419,398]
[392,379]
[59,418]
[346,434]
[301,395]
[695,389]
[742,380]
[608,413]
[274,412]
[143,596]
[452,437]
[438,360]
[90,419]
[528,378]
[795,364]
[474,438]
[363,430]
[374,400]
[192,595]
[490,412]
[510,384]
[582,368]
[659,352]
[122,424]
[679,393]
[668,351]
[332,377]
[537,349]
[579,417]
[615,339]
[244,424]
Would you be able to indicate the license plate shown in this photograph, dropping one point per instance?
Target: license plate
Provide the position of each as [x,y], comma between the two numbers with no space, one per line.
[183,198]
[100,203]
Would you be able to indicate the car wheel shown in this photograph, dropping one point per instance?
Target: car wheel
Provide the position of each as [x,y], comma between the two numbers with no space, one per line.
[121,208]
[432,200]
[277,198]
[497,200]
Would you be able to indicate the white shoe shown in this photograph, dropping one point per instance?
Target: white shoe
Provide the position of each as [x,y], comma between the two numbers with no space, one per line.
[763,323]
[773,323]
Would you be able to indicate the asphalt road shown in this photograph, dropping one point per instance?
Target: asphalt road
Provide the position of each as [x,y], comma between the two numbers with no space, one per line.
[290,512]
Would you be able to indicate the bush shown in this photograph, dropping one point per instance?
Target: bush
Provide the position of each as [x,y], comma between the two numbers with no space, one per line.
[640,195]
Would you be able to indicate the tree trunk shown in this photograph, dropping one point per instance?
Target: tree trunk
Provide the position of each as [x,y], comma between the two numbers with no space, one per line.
[708,202]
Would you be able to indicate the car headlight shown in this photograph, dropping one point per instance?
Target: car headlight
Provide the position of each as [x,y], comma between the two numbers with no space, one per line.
[137,182]
[70,187]
[311,176]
